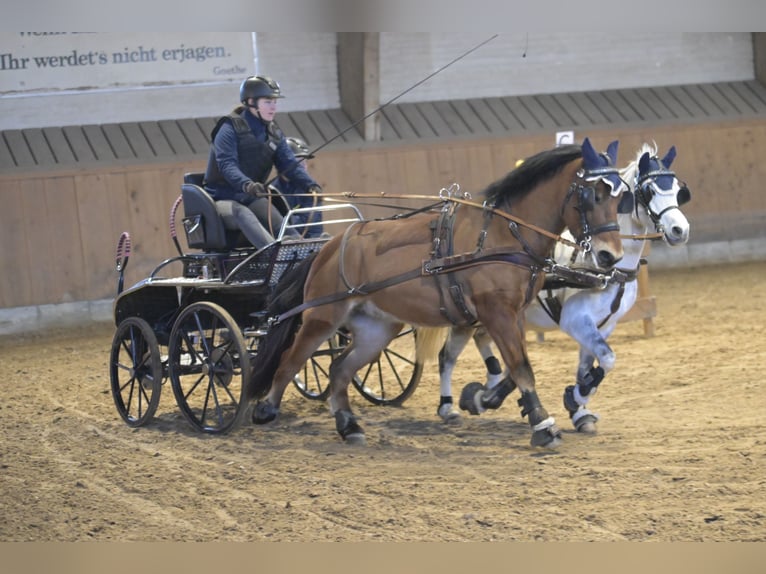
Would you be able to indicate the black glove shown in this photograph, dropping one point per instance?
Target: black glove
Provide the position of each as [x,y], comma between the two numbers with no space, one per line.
[314,189]
[254,188]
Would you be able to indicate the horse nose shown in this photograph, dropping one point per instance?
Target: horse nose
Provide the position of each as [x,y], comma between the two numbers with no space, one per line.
[606,259]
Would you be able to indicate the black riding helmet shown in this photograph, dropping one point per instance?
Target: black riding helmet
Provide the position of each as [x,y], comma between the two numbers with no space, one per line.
[300,148]
[259,87]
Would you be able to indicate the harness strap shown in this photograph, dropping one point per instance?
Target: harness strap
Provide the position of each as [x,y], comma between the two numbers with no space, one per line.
[445,265]
[442,239]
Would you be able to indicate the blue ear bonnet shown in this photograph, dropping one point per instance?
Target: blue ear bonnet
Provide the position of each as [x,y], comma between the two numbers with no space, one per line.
[602,166]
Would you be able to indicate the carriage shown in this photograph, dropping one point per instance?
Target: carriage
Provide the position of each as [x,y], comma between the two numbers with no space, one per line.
[200,329]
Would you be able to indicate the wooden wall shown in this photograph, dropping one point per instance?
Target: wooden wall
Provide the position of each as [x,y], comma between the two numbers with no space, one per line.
[59,230]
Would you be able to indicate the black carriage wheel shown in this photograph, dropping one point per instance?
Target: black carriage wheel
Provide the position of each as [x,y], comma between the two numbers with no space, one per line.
[313,381]
[208,366]
[135,371]
[393,378]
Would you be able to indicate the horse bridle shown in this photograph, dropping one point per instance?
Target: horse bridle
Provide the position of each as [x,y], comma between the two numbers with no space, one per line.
[644,194]
[586,199]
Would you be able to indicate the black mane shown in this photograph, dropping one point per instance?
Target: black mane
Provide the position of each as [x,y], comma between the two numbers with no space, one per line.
[531,172]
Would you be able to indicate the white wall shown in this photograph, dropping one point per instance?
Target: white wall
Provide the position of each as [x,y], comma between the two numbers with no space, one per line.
[305,66]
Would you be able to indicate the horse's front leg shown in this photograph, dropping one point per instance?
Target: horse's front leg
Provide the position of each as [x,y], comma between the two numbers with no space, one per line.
[507,332]
[593,347]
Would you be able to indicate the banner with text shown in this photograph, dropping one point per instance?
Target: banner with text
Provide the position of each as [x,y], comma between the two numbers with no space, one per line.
[52,61]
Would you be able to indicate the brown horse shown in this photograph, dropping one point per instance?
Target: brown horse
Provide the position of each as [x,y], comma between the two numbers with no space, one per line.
[463,264]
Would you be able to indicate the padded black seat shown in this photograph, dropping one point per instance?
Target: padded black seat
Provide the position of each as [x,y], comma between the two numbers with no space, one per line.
[203,225]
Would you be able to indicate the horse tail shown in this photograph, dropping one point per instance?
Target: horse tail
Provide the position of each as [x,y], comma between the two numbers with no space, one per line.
[428,342]
[287,294]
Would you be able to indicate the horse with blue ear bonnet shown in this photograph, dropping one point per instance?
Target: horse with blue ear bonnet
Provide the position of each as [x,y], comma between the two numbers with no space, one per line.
[379,275]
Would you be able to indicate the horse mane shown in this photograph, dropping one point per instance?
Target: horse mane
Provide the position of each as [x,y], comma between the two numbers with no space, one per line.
[534,169]
[628,173]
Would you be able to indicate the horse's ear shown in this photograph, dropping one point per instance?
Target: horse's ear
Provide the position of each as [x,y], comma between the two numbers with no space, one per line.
[643,163]
[611,151]
[589,155]
[669,157]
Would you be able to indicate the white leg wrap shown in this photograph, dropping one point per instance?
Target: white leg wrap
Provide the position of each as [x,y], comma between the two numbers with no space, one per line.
[547,423]
[581,412]
[581,400]
[477,401]
[447,412]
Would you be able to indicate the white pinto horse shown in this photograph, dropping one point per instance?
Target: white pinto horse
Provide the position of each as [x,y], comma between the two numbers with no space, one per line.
[588,314]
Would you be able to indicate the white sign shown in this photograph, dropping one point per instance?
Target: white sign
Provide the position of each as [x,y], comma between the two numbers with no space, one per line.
[53,61]
[564,138]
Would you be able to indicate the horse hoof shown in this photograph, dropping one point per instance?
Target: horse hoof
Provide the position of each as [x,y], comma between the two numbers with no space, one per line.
[449,415]
[587,424]
[264,412]
[470,398]
[546,438]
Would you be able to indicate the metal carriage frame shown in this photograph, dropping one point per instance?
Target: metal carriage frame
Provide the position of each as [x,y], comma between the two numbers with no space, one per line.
[200,330]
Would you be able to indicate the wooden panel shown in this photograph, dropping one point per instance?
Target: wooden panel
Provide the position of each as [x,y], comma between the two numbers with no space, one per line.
[575,116]
[39,147]
[117,142]
[639,106]
[65,257]
[18,145]
[474,121]
[341,120]
[79,144]
[396,125]
[59,145]
[417,120]
[753,92]
[157,139]
[15,280]
[739,104]
[544,119]
[306,127]
[288,126]
[506,115]
[691,108]
[457,125]
[325,126]
[521,112]
[605,106]
[175,138]
[138,141]
[593,114]
[627,113]
[206,126]
[560,116]
[488,118]
[722,103]
[6,157]
[38,244]
[658,105]
[95,202]
[98,143]
[435,119]
[198,141]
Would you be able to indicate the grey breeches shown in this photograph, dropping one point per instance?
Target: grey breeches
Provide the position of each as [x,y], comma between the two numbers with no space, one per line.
[253,220]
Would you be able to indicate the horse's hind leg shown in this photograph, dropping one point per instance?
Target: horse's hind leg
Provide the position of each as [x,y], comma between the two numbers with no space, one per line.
[369,336]
[456,341]
[475,397]
[312,333]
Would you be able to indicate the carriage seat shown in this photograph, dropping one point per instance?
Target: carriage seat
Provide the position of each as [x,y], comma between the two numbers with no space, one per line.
[203,225]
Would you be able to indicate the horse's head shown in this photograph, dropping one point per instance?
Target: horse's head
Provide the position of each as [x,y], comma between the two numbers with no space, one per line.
[659,195]
[592,204]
